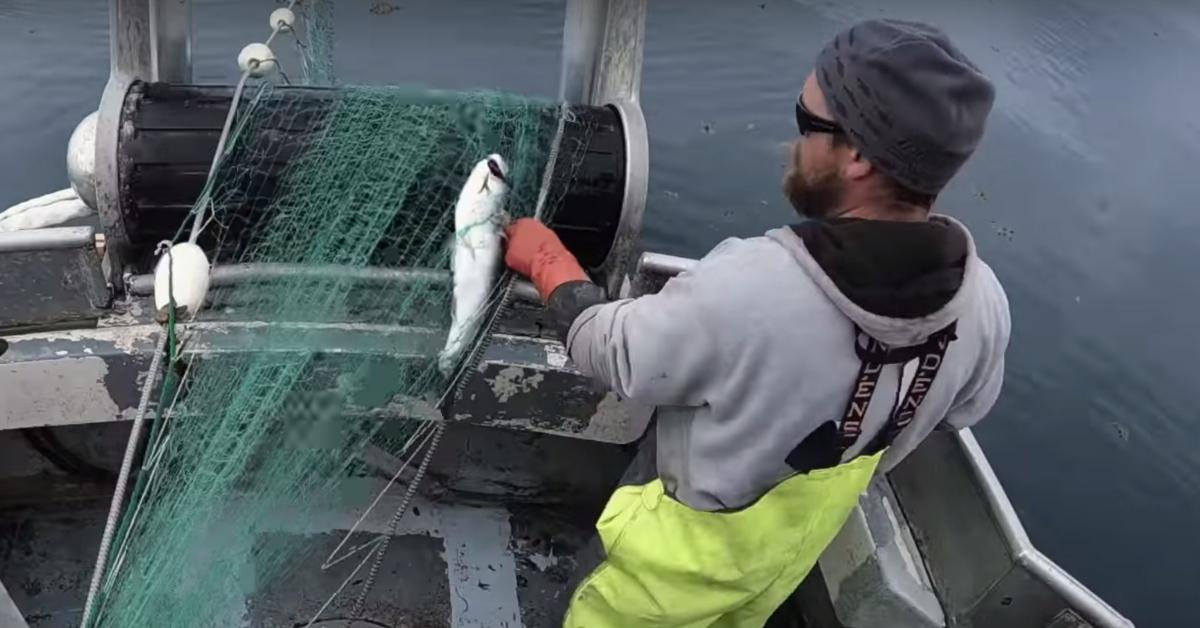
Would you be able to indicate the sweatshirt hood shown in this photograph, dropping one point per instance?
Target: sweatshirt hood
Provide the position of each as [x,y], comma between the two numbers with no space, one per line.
[900,282]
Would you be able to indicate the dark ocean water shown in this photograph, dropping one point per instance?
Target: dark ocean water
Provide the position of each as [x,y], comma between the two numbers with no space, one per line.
[1083,198]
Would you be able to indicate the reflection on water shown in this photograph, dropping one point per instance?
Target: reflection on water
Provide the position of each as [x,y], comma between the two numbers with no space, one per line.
[1082,198]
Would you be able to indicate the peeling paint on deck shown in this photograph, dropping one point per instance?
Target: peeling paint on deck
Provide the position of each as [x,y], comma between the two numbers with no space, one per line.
[513,380]
[73,387]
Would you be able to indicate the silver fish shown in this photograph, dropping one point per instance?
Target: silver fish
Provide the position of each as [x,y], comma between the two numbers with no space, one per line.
[479,221]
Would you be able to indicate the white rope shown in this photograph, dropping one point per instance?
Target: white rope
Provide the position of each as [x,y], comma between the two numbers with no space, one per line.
[198,222]
[430,434]
[131,446]
[422,433]
[114,509]
[563,112]
[47,210]
[150,466]
[401,510]
[64,203]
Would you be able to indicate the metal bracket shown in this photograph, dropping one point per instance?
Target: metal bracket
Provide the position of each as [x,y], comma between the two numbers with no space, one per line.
[620,265]
[50,276]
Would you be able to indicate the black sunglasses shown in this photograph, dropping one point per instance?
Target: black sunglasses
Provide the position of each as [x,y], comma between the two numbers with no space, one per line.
[808,122]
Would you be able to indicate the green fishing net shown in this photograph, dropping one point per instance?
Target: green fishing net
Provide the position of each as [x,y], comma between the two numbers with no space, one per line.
[316,45]
[342,199]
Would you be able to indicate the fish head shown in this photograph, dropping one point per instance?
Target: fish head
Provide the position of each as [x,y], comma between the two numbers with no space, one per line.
[482,198]
[497,173]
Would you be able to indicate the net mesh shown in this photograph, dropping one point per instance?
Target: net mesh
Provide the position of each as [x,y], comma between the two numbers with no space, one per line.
[343,200]
[316,47]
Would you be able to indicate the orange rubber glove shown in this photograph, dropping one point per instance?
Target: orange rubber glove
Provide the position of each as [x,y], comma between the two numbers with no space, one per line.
[535,251]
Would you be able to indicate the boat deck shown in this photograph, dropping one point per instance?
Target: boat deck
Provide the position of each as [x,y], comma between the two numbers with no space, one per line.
[451,563]
[460,557]
[447,566]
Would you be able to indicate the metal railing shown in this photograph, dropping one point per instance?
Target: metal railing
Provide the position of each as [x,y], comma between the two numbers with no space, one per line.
[52,239]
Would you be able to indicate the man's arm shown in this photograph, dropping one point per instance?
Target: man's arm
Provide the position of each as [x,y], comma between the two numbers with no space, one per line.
[657,349]
[654,348]
[969,411]
[984,389]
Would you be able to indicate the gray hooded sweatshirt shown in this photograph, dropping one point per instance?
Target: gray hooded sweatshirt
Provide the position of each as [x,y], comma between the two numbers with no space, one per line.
[750,351]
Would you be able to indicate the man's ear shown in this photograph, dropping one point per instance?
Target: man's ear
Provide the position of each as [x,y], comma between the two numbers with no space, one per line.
[857,167]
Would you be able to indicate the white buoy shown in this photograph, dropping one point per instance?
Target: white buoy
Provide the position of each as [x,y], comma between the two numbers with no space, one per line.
[184,271]
[283,18]
[256,59]
[81,159]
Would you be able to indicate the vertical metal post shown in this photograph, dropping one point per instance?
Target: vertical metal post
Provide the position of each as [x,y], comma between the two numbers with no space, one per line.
[583,32]
[129,38]
[171,40]
[130,55]
[602,65]
[602,51]
[149,40]
[619,71]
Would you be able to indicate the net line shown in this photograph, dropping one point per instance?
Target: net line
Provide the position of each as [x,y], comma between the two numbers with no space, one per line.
[497,300]
[351,177]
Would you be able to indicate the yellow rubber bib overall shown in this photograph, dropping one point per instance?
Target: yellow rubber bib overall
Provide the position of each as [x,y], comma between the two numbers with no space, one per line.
[669,566]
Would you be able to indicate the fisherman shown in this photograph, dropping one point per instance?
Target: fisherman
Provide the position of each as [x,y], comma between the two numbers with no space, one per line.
[788,369]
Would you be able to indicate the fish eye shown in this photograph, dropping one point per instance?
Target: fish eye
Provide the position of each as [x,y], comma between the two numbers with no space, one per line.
[495,169]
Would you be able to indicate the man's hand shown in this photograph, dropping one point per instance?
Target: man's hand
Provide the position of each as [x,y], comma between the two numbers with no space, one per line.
[535,251]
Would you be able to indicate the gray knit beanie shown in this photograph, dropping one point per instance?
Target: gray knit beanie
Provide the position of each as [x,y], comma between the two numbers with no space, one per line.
[910,101]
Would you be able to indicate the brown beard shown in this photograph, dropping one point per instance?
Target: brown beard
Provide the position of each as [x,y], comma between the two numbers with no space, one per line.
[814,199]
